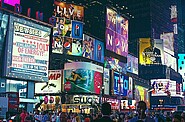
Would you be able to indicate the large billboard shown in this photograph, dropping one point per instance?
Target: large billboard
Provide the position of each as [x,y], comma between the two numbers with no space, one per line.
[168,41]
[83,77]
[151,51]
[170,61]
[141,93]
[54,84]
[27,52]
[68,11]
[88,47]
[120,84]
[116,33]
[162,87]
[132,64]
[181,65]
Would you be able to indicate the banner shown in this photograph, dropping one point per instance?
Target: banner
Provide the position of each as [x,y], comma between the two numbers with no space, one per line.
[121,84]
[77,29]
[150,51]
[27,50]
[68,11]
[116,33]
[99,51]
[170,61]
[88,47]
[168,40]
[54,84]
[162,87]
[83,77]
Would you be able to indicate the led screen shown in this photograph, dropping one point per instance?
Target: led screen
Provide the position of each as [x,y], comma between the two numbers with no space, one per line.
[27,52]
[82,77]
[116,33]
[132,64]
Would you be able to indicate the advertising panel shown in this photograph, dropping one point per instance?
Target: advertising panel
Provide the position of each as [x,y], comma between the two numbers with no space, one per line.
[106,81]
[27,50]
[88,47]
[77,47]
[77,29]
[82,77]
[83,99]
[130,88]
[116,33]
[121,84]
[54,84]
[181,64]
[141,93]
[168,41]
[126,104]
[63,27]
[11,2]
[170,61]
[69,11]
[99,51]
[150,51]
[132,64]
[162,87]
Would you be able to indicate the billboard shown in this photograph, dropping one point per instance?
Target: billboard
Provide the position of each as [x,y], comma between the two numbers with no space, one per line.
[27,52]
[130,88]
[77,29]
[181,65]
[120,84]
[170,61]
[141,93]
[54,84]
[168,41]
[151,51]
[128,104]
[11,2]
[88,47]
[132,64]
[162,87]
[106,82]
[116,33]
[82,77]
[68,11]
[99,51]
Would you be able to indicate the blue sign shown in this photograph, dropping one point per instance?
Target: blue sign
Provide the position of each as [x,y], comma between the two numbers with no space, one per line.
[77,30]
[99,51]
[120,84]
[27,50]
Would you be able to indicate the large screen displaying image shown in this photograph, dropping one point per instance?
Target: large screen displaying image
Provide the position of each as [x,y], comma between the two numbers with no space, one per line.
[162,87]
[151,51]
[116,33]
[68,11]
[54,84]
[132,64]
[27,50]
[121,84]
[82,77]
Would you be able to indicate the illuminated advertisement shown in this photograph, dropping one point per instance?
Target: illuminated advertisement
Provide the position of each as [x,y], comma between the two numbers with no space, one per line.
[77,47]
[181,64]
[170,61]
[115,64]
[69,11]
[11,2]
[151,51]
[82,77]
[88,47]
[121,84]
[63,27]
[163,87]
[141,94]
[106,82]
[168,41]
[132,64]
[128,104]
[130,88]
[53,85]
[27,50]
[99,51]
[77,29]
[116,33]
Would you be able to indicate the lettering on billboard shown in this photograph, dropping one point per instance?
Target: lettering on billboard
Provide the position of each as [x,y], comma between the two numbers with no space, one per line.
[30,54]
[84,100]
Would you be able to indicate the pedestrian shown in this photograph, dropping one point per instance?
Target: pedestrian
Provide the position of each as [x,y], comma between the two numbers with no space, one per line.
[23,115]
[106,111]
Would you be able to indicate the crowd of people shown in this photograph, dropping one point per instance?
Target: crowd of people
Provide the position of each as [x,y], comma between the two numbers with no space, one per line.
[105,115]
